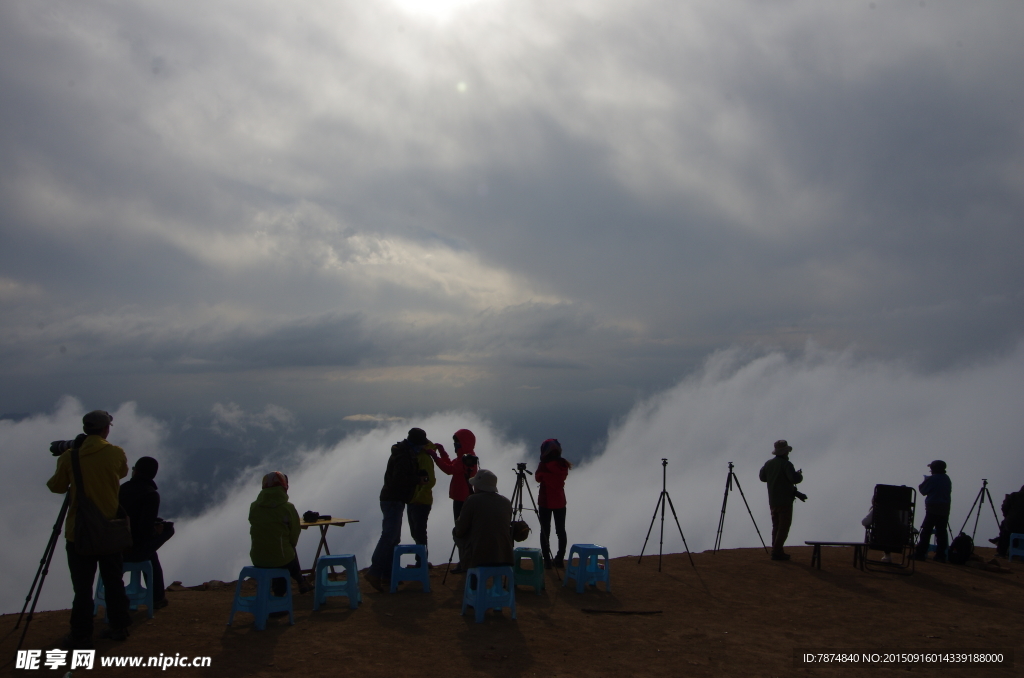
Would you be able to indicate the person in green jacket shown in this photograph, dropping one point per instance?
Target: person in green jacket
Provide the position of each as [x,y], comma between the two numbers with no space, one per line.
[274,528]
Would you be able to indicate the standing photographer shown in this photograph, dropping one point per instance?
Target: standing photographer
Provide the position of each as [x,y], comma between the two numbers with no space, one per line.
[551,474]
[103,465]
[461,469]
[782,479]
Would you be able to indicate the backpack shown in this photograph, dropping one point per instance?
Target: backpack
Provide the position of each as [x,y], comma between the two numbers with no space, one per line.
[961,549]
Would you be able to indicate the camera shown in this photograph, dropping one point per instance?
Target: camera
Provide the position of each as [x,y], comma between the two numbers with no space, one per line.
[313,516]
[470,460]
[59,447]
[521,466]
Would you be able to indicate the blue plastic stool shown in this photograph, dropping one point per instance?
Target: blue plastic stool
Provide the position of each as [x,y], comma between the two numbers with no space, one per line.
[263,603]
[499,593]
[420,574]
[1016,547]
[325,587]
[588,570]
[534,577]
[136,592]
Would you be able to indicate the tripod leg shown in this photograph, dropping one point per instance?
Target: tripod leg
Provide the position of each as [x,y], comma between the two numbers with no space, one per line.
[751,514]
[661,499]
[721,518]
[971,511]
[44,566]
[450,556]
[688,555]
[993,505]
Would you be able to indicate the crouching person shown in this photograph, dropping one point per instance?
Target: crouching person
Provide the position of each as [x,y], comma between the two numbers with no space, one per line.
[274,528]
[482,530]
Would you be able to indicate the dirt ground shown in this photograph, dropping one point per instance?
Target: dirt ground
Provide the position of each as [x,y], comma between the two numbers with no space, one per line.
[732,613]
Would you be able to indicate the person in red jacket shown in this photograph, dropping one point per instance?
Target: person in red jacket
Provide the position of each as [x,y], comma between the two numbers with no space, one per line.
[551,474]
[463,467]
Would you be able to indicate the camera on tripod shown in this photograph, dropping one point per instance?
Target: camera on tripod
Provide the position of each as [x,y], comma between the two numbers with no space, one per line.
[59,447]
[521,466]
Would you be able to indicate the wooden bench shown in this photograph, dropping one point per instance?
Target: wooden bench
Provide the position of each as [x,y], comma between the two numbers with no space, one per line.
[859,551]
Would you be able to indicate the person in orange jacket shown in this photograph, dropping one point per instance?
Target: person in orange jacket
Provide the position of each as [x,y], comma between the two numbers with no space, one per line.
[551,474]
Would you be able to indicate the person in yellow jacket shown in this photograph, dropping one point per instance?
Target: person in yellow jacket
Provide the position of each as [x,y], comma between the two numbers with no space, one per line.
[103,465]
[418,508]
[274,529]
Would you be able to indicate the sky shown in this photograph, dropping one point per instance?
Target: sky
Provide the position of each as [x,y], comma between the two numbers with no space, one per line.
[267,234]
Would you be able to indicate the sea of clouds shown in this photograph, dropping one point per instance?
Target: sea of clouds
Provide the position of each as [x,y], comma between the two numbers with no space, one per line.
[852,423]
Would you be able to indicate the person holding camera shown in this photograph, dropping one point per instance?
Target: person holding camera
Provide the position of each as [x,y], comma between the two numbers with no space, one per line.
[462,468]
[102,467]
[274,529]
[782,479]
[937,489]
[551,474]
[141,500]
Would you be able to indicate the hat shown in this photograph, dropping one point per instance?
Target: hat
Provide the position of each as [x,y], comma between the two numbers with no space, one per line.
[485,481]
[97,420]
[938,465]
[146,467]
[275,479]
[782,447]
[417,436]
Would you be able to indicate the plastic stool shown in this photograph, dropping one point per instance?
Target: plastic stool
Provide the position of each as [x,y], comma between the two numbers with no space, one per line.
[500,593]
[325,587]
[588,570]
[263,603]
[1016,546]
[136,592]
[420,574]
[534,577]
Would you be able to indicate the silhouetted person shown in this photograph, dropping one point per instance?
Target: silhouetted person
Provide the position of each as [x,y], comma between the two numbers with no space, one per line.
[483,526]
[141,501]
[103,465]
[782,479]
[937,489]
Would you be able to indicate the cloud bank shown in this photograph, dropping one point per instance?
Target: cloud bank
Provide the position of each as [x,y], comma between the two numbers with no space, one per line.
[852,424]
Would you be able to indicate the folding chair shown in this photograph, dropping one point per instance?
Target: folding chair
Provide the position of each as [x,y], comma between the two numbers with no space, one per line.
[892,529]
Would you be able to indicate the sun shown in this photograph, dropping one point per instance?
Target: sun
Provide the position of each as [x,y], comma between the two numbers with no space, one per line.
[438,10]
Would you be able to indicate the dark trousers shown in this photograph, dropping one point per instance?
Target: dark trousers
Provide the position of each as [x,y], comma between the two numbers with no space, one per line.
[545,532]
[390,537]
[83,575]
[457,508]
[782,519]
[279,585]
[148,552]
[417,515]
[936,519]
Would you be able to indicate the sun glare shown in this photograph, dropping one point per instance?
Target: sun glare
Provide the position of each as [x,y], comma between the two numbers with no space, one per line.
[438,10]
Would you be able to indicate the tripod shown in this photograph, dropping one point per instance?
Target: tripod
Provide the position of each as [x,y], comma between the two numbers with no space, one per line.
[661,505]
[721,520]
[44,569]
[978,501]
[517,494]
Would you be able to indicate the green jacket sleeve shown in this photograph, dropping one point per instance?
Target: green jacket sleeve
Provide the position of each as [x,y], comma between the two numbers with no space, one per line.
[293,524]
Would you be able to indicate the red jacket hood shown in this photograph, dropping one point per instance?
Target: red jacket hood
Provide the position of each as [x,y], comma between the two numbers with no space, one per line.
[467,442]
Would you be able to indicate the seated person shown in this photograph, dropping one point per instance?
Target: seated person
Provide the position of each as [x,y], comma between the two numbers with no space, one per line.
[1013,521]
[482,530]
[141,502]
[274,528]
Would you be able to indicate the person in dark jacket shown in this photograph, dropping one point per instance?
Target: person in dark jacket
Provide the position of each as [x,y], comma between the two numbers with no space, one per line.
[782,479]
[141,501]
[551,474]
[937,489]
[1013,521]
[483,525]
[401,479]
